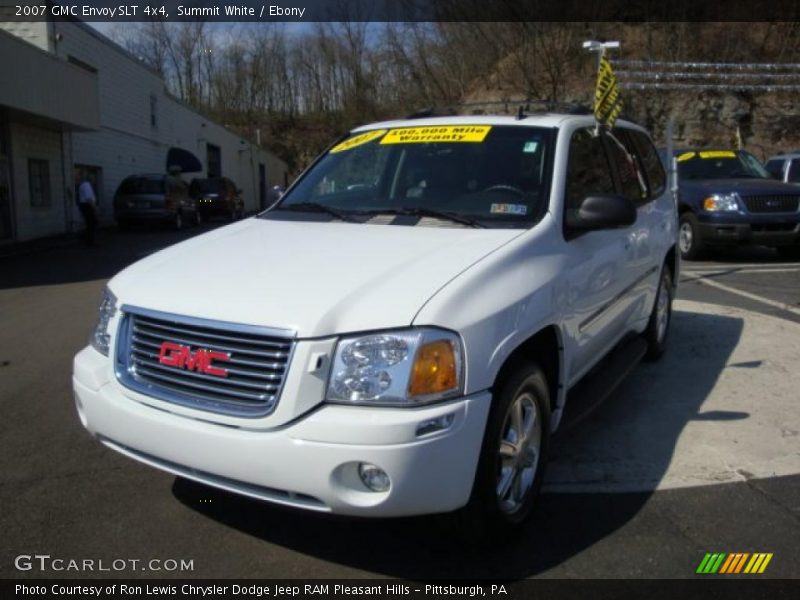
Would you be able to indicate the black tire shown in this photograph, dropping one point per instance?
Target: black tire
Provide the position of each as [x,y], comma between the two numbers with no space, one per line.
[491,516]
[657,330]
[789,252]
[124,225]
[177,221]
[690,243]
[198,218]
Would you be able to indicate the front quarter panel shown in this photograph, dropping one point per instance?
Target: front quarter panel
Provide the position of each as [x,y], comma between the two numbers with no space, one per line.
[500,302]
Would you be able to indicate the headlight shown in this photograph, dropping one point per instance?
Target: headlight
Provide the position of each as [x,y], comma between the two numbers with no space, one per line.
[722,202]
[100,337]
[397,368]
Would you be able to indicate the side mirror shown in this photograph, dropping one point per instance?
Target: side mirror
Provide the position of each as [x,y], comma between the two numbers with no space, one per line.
[601,211]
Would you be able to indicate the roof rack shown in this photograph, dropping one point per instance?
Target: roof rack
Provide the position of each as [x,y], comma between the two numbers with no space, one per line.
[432,111]
[526,107]
[530,107]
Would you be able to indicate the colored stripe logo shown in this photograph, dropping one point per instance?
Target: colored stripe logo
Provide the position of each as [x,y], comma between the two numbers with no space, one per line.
[732,563]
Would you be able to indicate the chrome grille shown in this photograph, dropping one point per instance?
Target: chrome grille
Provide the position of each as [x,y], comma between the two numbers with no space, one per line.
[771,204]
[255,367]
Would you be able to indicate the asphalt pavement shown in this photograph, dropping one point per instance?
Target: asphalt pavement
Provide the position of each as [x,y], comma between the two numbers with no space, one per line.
[697,453]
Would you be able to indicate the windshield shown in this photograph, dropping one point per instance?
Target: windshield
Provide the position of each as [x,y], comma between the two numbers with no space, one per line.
[141,185]
[205,186]
[479,175]
[719,164]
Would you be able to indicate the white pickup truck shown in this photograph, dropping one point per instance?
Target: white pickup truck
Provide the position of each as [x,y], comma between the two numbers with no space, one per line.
[399,333]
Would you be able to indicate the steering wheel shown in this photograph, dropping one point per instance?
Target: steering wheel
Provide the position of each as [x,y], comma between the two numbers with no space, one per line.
[505,188]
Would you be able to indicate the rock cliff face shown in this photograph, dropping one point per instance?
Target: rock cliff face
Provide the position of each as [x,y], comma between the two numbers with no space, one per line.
[767,122]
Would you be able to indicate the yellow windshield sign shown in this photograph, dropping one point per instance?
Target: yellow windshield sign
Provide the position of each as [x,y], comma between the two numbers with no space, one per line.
[357,140]
[717,154]
[437,133]
[686,156]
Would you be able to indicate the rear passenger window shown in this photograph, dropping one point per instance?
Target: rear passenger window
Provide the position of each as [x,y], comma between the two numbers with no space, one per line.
[654,170]
[588,171]
[794,172]
[775,169]
[631,177]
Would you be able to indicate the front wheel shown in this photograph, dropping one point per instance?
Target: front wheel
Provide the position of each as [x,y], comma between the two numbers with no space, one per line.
[513,456]
[689,242]
[660,318]
[177,221]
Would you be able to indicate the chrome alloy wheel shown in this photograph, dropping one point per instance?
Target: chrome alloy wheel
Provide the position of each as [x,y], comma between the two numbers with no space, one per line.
[662,308]
[685,237]
[520,444]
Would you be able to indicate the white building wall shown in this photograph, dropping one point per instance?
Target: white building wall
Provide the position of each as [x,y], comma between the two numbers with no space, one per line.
[29,142]
[118,155]
[127,142]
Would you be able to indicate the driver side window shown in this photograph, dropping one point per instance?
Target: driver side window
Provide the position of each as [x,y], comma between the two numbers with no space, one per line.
[588,170]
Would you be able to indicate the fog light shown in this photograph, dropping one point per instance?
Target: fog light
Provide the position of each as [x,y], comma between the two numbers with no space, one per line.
[437,424]
[373,477]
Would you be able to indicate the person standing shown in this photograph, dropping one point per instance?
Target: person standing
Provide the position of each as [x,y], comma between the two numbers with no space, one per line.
[87,204]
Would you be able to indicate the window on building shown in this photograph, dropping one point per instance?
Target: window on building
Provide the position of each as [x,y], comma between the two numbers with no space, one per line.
[39,182]
[153,111]
[213,161]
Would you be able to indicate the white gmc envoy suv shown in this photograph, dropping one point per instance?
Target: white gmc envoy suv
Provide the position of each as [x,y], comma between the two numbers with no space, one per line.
[398,334]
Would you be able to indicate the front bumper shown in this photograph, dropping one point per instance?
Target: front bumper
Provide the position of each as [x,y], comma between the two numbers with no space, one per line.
[765,230]
[309,463]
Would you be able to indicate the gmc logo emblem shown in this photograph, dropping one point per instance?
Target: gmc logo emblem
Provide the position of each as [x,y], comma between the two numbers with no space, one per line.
[182,357]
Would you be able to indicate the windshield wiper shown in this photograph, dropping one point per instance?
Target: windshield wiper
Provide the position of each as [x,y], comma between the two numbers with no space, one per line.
[428,212]
[319,208]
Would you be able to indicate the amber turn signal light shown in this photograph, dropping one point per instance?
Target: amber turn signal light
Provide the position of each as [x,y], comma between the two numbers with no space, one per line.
[435,369]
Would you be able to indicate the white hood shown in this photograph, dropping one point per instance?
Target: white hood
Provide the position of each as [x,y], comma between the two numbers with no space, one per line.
[318,279]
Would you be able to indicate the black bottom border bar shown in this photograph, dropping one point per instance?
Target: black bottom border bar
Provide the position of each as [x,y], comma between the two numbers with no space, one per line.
[705,587]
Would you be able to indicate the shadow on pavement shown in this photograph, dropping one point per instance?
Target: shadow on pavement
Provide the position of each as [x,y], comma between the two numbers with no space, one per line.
[69,261]
[739,254]
[651,410]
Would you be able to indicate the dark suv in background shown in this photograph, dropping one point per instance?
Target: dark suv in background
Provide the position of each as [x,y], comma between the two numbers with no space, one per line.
[726,197]
[154,198]
[217,196]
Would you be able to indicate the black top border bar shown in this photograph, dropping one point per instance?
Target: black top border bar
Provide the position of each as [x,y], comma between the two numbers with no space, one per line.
[264,11]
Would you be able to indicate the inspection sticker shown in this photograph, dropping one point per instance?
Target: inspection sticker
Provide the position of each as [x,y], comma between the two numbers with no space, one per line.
[443,133]
[530,147]
[509,209]
[717,154]
[358,140]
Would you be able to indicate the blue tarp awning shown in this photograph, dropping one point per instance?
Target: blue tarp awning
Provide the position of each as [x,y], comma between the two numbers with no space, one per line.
[184,160]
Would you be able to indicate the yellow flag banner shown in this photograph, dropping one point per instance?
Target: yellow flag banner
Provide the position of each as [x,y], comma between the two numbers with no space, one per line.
[607,103]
